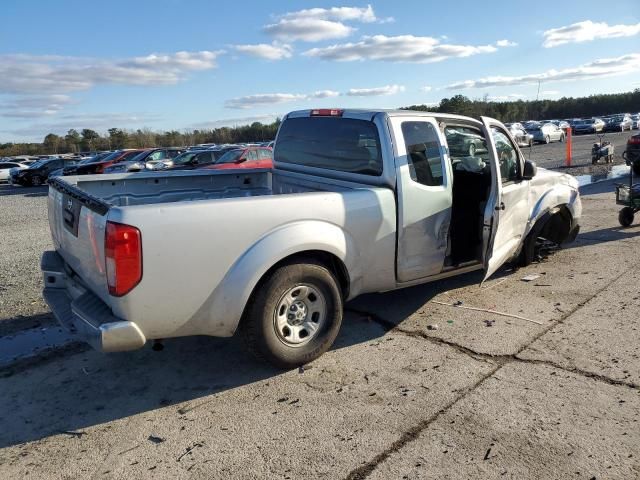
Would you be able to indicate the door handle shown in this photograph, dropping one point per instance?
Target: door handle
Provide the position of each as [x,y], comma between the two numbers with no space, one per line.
[500,207]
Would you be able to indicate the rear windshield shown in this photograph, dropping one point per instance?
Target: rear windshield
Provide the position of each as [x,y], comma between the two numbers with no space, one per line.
[342,144]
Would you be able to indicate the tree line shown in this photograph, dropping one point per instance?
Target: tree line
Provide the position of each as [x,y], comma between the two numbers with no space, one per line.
[116,138]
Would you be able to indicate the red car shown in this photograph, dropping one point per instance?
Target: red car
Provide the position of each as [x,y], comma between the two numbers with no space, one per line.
[246,157]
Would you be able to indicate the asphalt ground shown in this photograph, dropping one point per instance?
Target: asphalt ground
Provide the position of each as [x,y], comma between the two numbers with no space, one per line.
[412,388]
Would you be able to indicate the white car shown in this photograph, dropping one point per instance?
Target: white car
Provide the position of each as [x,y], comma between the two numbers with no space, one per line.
[5,168]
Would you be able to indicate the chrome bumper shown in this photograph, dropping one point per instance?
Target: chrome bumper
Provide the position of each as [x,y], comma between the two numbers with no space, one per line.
[82,313]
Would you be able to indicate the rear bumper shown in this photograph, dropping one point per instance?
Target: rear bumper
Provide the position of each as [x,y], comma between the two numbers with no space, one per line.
[82,313]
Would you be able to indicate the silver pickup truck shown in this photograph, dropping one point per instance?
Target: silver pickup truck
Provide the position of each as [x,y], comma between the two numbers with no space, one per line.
[358,201]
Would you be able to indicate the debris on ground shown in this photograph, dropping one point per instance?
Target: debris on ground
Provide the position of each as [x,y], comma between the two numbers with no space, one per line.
[432,326]
[154,439]
[489,323]
[530,277]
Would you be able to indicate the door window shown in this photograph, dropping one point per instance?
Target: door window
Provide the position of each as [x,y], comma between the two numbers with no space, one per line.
[507,156]
[264,154]
[423,153]
[251,156]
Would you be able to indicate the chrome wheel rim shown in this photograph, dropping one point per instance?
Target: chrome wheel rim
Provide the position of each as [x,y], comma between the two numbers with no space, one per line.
[300,315]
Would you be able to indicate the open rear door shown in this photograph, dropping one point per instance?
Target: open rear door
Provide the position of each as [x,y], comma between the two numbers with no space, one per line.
[507,210]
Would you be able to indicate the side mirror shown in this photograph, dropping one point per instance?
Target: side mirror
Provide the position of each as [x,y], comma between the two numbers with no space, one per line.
[240,160]
[530,170]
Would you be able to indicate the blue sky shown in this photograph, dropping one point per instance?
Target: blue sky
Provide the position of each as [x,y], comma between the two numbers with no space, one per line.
[183,64]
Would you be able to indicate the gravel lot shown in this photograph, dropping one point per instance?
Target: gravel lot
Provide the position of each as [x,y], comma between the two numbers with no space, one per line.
[553,155]
[480,396]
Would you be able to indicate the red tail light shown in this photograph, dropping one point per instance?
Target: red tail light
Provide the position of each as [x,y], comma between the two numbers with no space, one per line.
[123,258]
[634,140]
[326,112]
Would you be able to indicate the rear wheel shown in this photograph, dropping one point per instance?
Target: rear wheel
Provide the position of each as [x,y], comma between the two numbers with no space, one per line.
[36,180]
[625,217]
[472,150]
[294,315]
[561,138]
[547,139]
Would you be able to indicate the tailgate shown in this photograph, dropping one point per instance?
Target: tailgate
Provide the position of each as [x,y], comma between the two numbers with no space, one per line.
[77,221]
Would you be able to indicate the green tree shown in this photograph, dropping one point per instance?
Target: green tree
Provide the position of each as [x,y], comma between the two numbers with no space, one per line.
[73,139]
[88,138]
[52,142]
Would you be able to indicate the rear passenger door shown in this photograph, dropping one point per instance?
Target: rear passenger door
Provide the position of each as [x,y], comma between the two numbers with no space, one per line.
[424,197]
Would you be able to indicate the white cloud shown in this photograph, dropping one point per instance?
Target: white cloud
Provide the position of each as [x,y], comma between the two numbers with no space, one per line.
[506,43]
[262,99]
[426,88]
[266,51]
[403,48]
[308,30]
[316,24]
[32,74]
[598,68]
[377,91]
[34,106]
[587,31]
[324,94]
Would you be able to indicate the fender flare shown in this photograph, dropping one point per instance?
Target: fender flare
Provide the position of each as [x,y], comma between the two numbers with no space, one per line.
[224,308]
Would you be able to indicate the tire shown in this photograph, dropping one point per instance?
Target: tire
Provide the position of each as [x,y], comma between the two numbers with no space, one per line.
[625,217]
[281,340]
[36,180]
[472,150]
[547,140]
[636,168]
[561,138]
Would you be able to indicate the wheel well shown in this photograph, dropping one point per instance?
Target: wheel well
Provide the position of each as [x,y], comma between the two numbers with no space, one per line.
[329,260]
[557,225]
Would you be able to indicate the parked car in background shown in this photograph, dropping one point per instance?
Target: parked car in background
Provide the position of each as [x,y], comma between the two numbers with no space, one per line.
[562,124]
[618,123]
[157,155]
[6,166]
[546,133]
[635,121]
[463,142]
[588,125]
[71,169]
[632,153]
[38,172]
[521,136]
[99,163]
[249,157]
[194,159]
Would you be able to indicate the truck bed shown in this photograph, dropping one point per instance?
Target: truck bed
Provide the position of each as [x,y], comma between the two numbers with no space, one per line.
[206,235]
[122,190]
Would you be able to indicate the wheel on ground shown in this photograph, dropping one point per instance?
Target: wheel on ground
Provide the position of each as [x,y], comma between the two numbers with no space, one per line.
[531,143]
[625,217]
[547,139]
[561,138]
[294,315]
[36,180]
[472,150]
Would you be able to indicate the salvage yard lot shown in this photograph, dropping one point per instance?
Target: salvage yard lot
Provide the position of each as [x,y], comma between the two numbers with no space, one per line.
[412,388]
